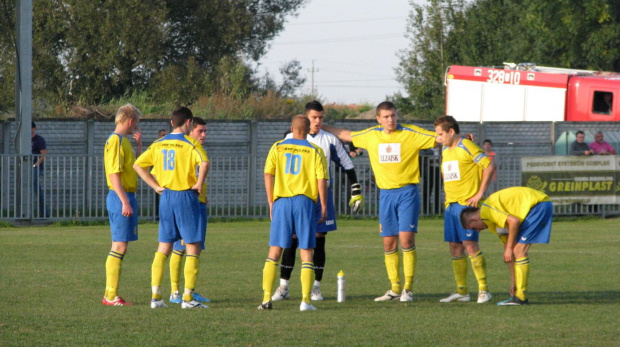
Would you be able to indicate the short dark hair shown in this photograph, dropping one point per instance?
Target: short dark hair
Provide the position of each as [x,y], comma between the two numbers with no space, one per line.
[466,213]
[34,126]
[448,122]
[386,105]
[314,106]
[180,116]
[489,141]
[197,121]
[579,132]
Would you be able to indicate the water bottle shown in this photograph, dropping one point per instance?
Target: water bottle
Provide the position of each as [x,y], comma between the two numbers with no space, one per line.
[342,286]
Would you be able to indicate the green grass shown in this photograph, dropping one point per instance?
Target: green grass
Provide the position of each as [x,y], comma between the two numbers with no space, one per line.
[52,280]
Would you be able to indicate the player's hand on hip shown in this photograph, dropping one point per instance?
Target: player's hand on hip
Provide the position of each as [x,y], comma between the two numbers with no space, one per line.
[357,199]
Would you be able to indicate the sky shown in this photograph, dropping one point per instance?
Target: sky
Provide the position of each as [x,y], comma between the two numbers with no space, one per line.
[353,45]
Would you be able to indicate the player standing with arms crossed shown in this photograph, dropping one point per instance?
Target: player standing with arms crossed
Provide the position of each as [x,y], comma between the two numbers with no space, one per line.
[173,159]
[121,201]
[334,151]
[467,172]
[295,174]
[198,133]
[393,149]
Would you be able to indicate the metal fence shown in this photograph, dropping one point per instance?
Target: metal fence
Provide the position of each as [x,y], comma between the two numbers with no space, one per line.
[75,188]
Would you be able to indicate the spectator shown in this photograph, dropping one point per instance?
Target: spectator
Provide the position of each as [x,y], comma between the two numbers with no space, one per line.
[601,147]
[487,145]
[161,133]
[579,147]
[39,148]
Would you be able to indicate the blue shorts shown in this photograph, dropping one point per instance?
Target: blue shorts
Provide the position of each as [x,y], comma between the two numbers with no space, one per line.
[293,215]
[536,228]
[123,229]
[453,231]
[398,210]
[177,216]
[330,222]
[179,245]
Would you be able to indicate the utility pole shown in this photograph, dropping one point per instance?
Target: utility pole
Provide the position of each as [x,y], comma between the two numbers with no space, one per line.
[312,71]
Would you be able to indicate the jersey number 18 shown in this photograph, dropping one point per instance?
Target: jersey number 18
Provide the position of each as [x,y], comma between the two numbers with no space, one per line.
[168,159]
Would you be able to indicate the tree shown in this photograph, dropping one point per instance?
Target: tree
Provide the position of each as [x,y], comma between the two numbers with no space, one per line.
[582,34]
[92,51]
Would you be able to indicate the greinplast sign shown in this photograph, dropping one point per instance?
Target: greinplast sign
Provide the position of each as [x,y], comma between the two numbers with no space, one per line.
[573,179]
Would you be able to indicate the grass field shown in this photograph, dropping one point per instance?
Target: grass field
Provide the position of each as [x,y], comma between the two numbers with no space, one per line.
[52,280]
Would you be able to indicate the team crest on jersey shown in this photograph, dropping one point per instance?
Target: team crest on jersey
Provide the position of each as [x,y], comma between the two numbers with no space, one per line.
[451,171]
[389,153]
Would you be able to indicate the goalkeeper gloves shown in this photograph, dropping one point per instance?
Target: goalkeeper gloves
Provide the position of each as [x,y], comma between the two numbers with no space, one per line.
[357,199]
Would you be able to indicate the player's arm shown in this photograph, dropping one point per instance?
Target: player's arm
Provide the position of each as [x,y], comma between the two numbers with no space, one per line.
[487,174]
[343,134]
[269,184]
[202,174]
[322,184]
[513,224]
[148,178]
[115,180]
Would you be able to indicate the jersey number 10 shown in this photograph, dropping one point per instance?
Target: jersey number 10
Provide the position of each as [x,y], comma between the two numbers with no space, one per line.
[168,159]
[293,163]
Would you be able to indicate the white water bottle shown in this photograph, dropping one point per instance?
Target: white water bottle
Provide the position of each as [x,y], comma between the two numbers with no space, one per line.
[342,287]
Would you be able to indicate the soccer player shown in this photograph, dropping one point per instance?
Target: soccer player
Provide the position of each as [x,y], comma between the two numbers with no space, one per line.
[121,202]
[467,172]
[198,133]
[393,149]
[527,214]
[295,173]
[173,160]
[333,149]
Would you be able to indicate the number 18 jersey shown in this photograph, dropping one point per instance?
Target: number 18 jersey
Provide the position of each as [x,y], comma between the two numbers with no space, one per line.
[174,158]
[296,165]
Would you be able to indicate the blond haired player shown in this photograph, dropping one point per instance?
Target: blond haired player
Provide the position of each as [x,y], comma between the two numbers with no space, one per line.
[121,202]
[466,172]
[393,149]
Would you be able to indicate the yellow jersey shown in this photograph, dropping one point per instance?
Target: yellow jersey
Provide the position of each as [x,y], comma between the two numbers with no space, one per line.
[203,195]
[394,157]
[461,168]
[118,157]
[514,201]
[174,158]
[296,165]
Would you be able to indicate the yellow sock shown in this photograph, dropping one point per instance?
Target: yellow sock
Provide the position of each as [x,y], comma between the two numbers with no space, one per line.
[522,273]
[176,260]
[157,273]
[410,257]
[459,265]
[391,264]
[479,265]
[307,279]
[269,276]
[112,274]
[190,271]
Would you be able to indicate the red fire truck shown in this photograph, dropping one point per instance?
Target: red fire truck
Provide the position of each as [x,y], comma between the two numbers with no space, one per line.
[526,92]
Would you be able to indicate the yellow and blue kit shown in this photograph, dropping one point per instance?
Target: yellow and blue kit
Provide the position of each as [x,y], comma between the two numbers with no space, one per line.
[118,157]
[296,166]
[532,207]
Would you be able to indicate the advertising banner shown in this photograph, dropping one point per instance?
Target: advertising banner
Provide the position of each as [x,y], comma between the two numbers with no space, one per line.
[574,179]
